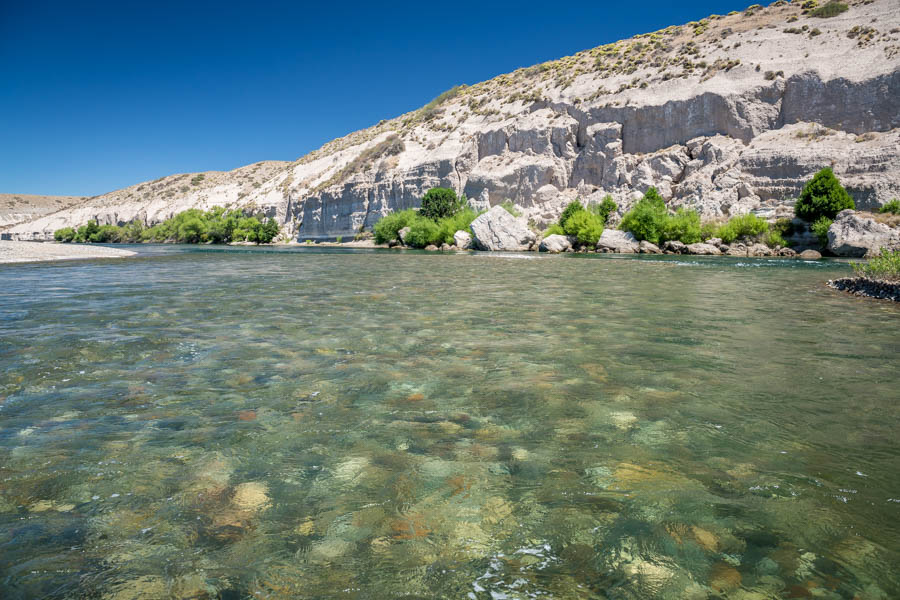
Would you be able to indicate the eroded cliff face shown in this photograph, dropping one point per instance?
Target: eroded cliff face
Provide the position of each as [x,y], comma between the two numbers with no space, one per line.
[726,115]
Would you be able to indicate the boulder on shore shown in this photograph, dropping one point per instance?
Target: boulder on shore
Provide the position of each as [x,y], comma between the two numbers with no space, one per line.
[810,255]
[403,233]
[704,249]
[854,235]
[463,240]
[614,240]
[674,247]
[759,250]
[555,243]
[498,230]
[646,247]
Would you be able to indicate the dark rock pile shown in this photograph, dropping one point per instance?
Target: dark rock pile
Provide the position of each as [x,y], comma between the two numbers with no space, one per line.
[871,288]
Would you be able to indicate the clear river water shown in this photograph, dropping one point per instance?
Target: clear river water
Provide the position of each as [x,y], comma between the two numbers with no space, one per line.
[200,422]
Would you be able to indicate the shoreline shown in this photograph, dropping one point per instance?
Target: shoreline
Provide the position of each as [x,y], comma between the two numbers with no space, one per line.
[867,288]
[31,252]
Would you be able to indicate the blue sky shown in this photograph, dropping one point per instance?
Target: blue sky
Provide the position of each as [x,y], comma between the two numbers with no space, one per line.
[96,96]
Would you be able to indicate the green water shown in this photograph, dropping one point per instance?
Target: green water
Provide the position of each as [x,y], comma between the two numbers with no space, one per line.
[194,423]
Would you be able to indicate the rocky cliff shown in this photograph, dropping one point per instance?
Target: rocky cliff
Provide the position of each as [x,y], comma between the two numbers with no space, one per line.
[728,114]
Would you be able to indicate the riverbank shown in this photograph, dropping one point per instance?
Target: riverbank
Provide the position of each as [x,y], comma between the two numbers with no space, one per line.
[25,252]
[870,288]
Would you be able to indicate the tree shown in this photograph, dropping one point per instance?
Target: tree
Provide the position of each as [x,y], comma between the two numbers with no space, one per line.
[438,203]
[822,196]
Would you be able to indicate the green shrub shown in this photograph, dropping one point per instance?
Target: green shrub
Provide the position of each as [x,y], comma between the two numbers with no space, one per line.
[683,226]
[708,230]
[106,234]
[423,232]
[438,203]
[509,207]
[820,228]
[885,267]
[892,207]
[604,209]
[339,239]
[647,218]
[822,196]
[749,226]
[773,238]
[66,234]
[571,209]
[386,229]
[554,229]
[86,231]
[585,226]
[832,9]
[461,221]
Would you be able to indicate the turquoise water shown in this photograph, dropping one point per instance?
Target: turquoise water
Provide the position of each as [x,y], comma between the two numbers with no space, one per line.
[248,423]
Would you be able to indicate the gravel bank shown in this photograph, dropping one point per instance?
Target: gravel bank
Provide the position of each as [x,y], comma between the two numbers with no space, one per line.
[22,252]
[861,286]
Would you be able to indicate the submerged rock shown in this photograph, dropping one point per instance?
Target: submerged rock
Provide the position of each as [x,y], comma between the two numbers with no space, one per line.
[251,496]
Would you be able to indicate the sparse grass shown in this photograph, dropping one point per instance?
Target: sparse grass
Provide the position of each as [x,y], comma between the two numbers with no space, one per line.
[832,9]
[883,268]
[509,207]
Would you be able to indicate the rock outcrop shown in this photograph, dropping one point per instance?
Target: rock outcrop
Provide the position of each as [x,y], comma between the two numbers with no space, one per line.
[613,240]
[555,244]
[729,115]
[856,236]
[703,249]
[463,240]
[497,229]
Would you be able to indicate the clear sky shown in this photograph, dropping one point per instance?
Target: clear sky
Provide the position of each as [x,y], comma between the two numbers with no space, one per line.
[95,96]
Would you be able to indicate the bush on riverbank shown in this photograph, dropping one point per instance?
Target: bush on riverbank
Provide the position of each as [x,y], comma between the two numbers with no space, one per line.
[822,196]
[885,267]
[192,226]
[820,228]
[650,220]
[456,215]
[584,224]
[66,234]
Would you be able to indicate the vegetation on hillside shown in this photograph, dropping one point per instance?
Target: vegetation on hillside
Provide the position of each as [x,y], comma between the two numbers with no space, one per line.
[892,207]
[193,226]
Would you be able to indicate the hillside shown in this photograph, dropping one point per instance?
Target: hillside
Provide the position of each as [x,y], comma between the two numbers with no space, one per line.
[21,208]
[727,114]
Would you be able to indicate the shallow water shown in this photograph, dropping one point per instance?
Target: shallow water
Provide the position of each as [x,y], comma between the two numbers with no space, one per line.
[199,422]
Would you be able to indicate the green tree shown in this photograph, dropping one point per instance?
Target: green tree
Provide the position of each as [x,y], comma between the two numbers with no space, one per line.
[822,196]
[438,203]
